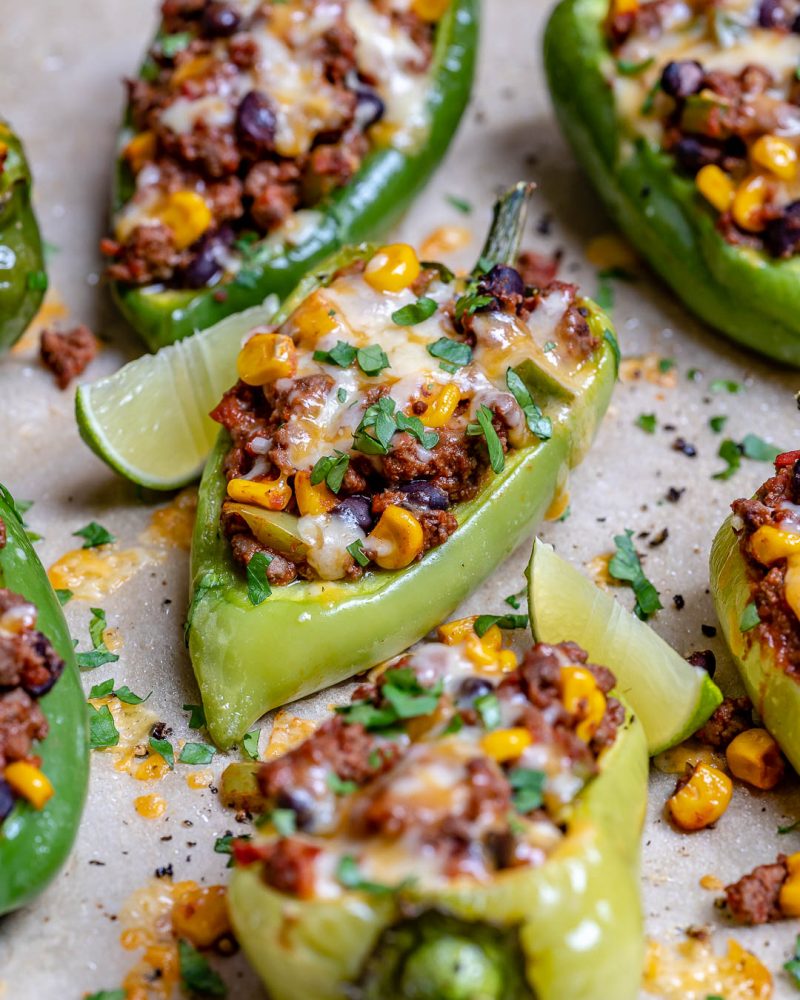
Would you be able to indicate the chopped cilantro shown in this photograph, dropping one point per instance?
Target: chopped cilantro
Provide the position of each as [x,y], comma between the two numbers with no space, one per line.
[471,301]
[197,976]
[717,424]
[528,786]
[341,394]
[356,550]
[485,427]
[250,743]
[629,68]
[758,449]
[550,345]
[107,995]
[455,725]
[454,352]
[64,595]
[349,875]
[484,622]
[196,753]
[122,693]
[171,45]
[488,707]
[284,821]
[102,729]
[666,365]
[445,274]
[94,534]
[647,422]
[538,424]
[793,965]
[258,588]
[407,696]
[750,618]
[514,599]
[790,828]
[331,469]
[372,359]
[197,718]
[163,747]
[626,565]
[370,717]
[414,426]
[650,98]
[380,417]
[460,204]
[613,343]
[99,654]
[605,288]
[694,374]
[731,453]
[339,787]
[341,354]
[223,845]
[725,385]
[415,312]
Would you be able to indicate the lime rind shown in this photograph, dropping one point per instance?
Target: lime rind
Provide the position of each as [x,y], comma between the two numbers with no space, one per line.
[671,697]
[149,420]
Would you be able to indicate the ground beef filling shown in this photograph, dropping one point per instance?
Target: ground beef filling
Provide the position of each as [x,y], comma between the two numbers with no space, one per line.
[233,161]
[347,780]
[755,898]
[29,667]
[67,354]
[779,625]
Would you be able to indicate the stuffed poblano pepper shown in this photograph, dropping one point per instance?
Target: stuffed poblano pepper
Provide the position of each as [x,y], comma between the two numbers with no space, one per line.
[260,138]
[467,828]
[23,280]
[394,434]
[44,756]
[686,116]
[755,580]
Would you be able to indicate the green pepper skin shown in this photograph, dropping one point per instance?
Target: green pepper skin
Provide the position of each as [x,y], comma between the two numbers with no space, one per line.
[744,293]
[34,844]
[21,255]
[775,695]
[310,635]
[578,916]
[369,205]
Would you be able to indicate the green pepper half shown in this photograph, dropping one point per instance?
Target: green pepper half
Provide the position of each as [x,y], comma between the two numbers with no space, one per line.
[309,635]
[23,280]
[774,693]
[570,929]
[371,203]
[34,844]
[744,293]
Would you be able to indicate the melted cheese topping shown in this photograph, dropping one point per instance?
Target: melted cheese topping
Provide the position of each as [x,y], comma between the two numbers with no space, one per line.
[693,971]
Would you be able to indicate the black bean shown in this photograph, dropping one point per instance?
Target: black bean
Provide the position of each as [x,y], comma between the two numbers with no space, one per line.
[357,509]
[503,283]
[207,259]
[771,14]
[474,687]
[301,803]
[709,631]
[369,108]
[424,494]
[682,79]
[692,154]
[220,20]
[51,661]
[796,482]
[703,658]
[685,447]
[782,235]
[255,121]
[6,799]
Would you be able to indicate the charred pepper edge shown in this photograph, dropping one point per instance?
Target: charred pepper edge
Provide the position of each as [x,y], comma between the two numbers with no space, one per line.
[34,845]
[19,232]
[746,295]
[376,197]
[599,853]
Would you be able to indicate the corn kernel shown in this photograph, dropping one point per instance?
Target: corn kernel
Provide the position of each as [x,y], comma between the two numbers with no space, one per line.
[506,744]
[267,357]
[702,800]
[506,661]
[186,214]
[769,544]
[396,540]
[442,407]
[755,757]
[316,499]
[190,69]
[274,494]
[314,318]
[624,7]
[30,782]
[716,187]
[581,696]
[789,899]
[749,201]
[458,631]
[393,268]
[200,913]
[140,150]
[776,155]
[791,584]
[429,10]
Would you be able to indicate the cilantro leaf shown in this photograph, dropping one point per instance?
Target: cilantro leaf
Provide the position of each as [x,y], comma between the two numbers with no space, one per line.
[164,747]
[724,385]
[197,718]
[454,352]
[342,354]
[250,743]
[610,338]
[258,588]
[626,565]
[793,965]
[99,654]
[356,550]
[730,452]
[647,422]
[64,595]
[415,312]
[486,427]
[759,450]
[197,976]
[331,469]
[628,68]
[750,618]
[717,424]
[528,786]
[107,995]
[368,715]
[538,424]
[36,281]
[348,874]
[471,301]
[94,534]
[171,45]
[124,694]
[196,753]
[488,707]
[380,417]
[460,204]
[484,622]
[103,731]
[338,786]
[414,426]
[372,359]
[407,697]
[514,599]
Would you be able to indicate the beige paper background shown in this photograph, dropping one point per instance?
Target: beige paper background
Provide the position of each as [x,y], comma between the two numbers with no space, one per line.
[60,70]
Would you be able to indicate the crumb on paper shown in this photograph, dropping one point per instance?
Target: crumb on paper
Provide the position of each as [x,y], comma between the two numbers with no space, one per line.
[599,572]
[610,250]
[288,731]
[444,240]
[651,368]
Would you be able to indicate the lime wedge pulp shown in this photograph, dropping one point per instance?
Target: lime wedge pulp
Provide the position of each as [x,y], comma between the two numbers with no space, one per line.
[671,697]
[149,420]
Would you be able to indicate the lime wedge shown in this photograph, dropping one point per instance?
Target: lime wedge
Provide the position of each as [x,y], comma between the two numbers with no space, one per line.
[149,421]
[671,697]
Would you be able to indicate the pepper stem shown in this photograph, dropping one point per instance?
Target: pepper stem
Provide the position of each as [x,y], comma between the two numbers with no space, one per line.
[508,224]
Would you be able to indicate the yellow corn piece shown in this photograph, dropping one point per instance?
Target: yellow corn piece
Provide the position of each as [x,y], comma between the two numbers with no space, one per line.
[581,696]
[506,744]
[186,214]
[312,499]
[396,540]
[393,268]
[455,632]
[716,187]
[789,899]
[190,69]
[442,407]
[769,544]
[755,757]
[29,782]
[429,10]
[313,319]
[624,7]
[140,150]
[267,357]
[791,584]
[274,494]
[776,155]
[200,913]
[701,801]
[749,201]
